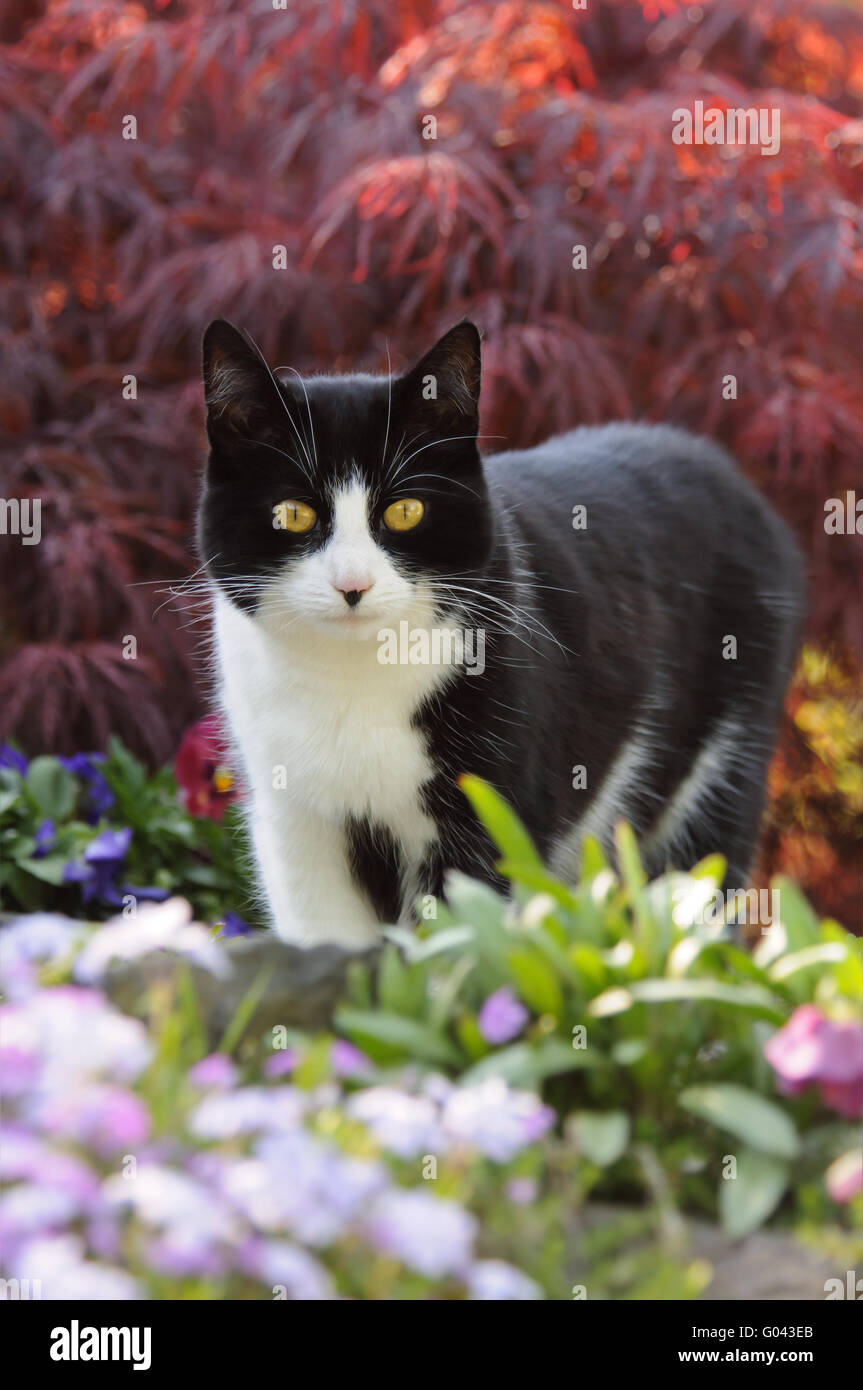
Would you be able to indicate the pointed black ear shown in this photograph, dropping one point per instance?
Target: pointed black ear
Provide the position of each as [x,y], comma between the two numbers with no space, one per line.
[238,387]
[444,385]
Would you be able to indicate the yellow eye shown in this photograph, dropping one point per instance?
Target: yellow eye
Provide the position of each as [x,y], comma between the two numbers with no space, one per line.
[405,515]
[294,516]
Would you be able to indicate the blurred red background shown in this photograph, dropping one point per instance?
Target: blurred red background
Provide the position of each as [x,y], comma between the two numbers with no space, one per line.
[305,128]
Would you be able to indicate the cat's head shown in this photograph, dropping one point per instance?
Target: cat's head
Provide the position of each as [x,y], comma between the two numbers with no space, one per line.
[343,503]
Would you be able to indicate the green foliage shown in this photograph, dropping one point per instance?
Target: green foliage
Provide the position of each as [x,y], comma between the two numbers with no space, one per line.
[170,850]
[647,1019]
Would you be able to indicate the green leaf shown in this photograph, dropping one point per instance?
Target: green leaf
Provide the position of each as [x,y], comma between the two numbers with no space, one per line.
[502,824]
[418,949]
[594,860]
[602,1136]
[587,960]
[48,870]
[797,925]
[535,981]
[470,1037]
[746,996]
[479,907]
[524,1064]
[759,1122]
[541,881]
[401,988]
[315,1065]
[245,1010]
[410,1036]
[746,1201]
[54,790]
[828,953]
[123,770]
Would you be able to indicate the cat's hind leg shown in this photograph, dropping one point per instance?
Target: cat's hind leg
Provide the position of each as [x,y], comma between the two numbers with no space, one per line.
[717,806]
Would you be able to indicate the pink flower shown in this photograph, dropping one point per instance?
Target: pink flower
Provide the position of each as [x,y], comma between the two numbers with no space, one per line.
[812,1049]
[347,1060]
[103,1118]
[216,1072]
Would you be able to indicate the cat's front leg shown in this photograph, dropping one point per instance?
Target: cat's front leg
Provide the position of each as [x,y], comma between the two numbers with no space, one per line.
[304,872]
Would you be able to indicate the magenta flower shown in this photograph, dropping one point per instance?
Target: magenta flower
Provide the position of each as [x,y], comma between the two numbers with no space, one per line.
[282,1063]
[104,1119]
[348,1060]
[502,1017]
[813,1050]
[214,1073]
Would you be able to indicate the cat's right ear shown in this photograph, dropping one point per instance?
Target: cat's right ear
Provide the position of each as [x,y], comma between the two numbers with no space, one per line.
[238,388]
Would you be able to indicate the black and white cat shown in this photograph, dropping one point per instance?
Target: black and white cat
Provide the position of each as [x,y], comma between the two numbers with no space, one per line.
[632,609]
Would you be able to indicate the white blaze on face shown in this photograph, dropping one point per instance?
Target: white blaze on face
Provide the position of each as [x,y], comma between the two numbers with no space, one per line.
[312,590]
[353,560]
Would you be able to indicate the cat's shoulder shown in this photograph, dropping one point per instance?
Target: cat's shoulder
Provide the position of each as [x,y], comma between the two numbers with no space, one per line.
[626,444]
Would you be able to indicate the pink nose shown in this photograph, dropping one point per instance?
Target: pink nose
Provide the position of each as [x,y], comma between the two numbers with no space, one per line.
[353,589]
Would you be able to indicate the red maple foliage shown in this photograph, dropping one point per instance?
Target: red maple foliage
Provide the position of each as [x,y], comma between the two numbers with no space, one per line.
[417,161]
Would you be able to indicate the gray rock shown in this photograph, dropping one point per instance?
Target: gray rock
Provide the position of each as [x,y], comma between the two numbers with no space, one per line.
[766,1266]
[293,987]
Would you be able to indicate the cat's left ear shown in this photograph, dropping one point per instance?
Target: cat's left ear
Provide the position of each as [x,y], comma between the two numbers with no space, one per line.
[238,387]
[444,385]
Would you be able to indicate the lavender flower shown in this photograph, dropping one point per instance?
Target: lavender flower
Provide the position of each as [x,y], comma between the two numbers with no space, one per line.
[495,1120]
[502,1017]
[279,1263]
[214,1073]
[30,1208]
[104,1119]
[496,1281]
[170,1201]
[326,1194]
[348,1060]
[58,1263]
[69,1034]
[41,937]
[247,1111]
[522,1191]
[282,1063]
[402,1124]
[163,926]
[431,1235]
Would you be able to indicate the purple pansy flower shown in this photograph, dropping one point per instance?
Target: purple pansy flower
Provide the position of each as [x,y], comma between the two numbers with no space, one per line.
[98,797]
[44,837]
[102,859]
[11,758]
[502,1017]
[233,925]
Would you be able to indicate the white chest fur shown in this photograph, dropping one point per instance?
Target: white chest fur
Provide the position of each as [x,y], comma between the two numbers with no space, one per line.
[324,731]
